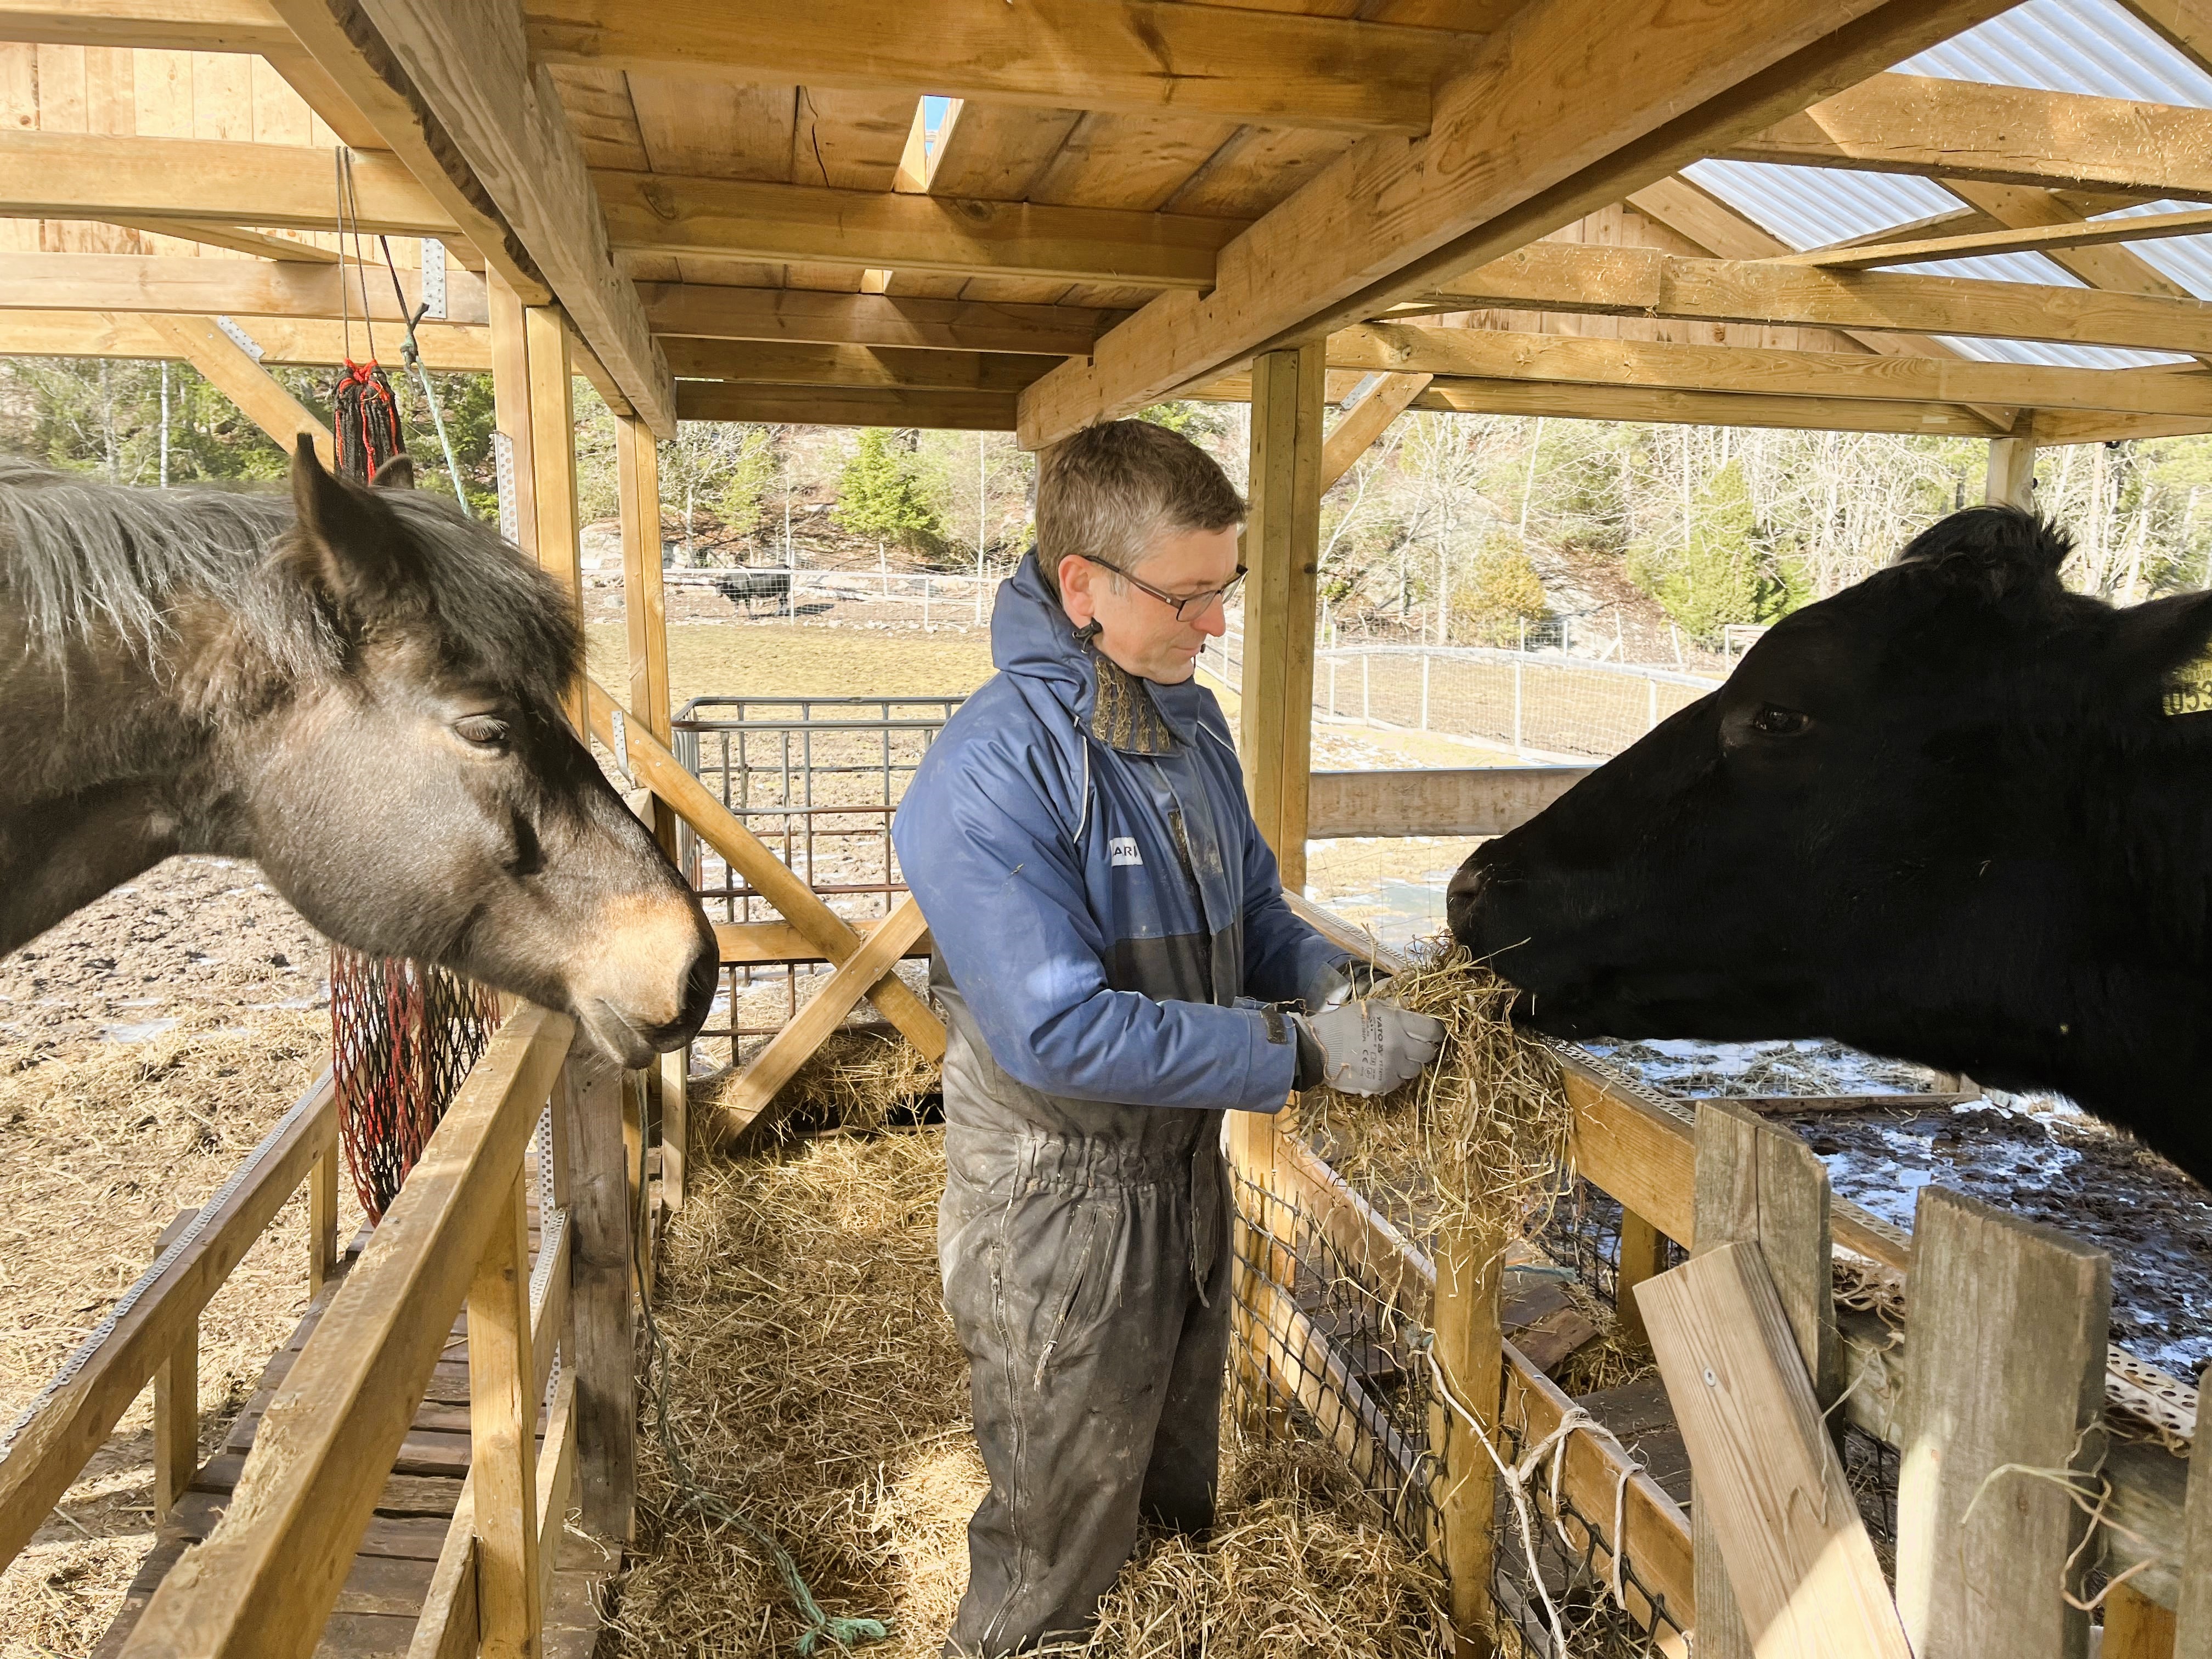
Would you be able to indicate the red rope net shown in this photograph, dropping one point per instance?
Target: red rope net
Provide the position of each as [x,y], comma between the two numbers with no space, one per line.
[404,1035]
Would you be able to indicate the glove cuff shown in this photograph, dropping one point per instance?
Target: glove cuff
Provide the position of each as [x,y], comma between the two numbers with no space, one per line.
[1312,1060]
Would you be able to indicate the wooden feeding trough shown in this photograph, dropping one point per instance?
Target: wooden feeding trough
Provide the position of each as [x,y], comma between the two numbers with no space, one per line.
[1031,218]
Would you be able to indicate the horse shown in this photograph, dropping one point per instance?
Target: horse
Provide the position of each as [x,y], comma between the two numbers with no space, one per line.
[361,690]
[1955,814]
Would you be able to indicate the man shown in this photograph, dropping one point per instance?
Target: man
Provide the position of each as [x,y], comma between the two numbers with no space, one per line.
[1117,966]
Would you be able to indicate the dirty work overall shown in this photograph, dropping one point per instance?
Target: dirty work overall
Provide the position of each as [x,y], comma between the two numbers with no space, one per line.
[1101,902]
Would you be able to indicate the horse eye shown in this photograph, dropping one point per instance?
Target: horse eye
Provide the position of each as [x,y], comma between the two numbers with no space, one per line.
[484,731]
[1779,722]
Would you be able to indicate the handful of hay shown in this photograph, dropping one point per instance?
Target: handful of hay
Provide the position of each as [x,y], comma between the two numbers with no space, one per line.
[1475,1143]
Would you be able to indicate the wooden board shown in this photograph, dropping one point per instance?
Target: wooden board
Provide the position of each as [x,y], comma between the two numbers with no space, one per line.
[807,316]
[1770,1484]
[2004,1369]
[1479,800]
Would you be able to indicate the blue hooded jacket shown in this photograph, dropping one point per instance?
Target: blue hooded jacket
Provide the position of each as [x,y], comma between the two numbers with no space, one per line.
[1098,894]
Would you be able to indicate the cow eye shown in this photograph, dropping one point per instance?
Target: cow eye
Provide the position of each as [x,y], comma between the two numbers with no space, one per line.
[1779,722]
[484,731]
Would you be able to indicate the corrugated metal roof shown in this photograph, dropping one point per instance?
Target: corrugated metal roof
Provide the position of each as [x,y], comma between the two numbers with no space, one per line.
[2092,46]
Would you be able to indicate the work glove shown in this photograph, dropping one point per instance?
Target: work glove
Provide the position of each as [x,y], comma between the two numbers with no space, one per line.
[1364,1046]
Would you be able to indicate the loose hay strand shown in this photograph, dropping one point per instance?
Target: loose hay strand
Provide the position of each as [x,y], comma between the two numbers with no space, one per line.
[816,1384]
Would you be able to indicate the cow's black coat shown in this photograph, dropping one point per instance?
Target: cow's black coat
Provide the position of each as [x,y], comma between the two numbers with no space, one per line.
[1946,815]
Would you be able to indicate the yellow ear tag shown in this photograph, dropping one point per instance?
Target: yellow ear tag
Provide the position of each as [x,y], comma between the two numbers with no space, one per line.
[2189,687]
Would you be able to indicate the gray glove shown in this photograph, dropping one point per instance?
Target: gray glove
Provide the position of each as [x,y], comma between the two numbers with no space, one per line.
[1364,1046]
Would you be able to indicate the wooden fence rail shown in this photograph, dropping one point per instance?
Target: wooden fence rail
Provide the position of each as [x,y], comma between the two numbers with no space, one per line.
[152,1329]
[265,1580]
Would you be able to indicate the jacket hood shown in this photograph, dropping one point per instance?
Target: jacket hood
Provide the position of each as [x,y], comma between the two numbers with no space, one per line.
[1031,636]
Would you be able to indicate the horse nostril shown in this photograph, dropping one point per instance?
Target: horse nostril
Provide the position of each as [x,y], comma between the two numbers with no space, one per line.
[699,986]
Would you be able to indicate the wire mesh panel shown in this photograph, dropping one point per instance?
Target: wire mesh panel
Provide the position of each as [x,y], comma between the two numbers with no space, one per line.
[1329,1346]
[403,1037]
[817,778]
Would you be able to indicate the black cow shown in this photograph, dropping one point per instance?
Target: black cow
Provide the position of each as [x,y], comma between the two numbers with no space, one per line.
[749,586]
[1955,814]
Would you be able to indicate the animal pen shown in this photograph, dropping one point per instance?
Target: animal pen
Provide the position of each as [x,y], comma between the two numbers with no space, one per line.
[1031,217]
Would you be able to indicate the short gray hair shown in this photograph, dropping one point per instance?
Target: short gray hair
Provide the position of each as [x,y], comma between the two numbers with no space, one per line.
[1106,493]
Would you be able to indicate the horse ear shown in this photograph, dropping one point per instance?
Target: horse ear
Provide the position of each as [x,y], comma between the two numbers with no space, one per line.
[2001,550]
[362,555]
[397,473]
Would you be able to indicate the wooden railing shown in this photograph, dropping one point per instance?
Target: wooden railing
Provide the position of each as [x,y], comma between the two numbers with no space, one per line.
[265,1580]
[152,1332]
[1641,1149]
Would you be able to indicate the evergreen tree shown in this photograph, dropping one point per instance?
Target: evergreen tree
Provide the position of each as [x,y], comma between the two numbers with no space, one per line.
[880,494]
[1730,571]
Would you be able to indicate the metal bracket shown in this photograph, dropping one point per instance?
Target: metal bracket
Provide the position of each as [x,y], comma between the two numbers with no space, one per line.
[510,515]
[434,278]
[245,341]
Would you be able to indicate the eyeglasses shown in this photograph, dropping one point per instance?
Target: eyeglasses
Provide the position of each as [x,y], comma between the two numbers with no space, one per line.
[1188,607]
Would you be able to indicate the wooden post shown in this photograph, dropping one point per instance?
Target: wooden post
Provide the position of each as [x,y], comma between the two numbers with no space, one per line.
[2012,465]
[675,1125]
[2192,1636]
[599,1281]
[645,609]
[1282,547]
[637,1185]
[1643,1255]
[2135,1627]
[176,1401]
[1254,1260]
[553,446]
[2005,1371]
[1470,1352]
[510,391]
[503,1439]
[1758,1183]
[323,1219]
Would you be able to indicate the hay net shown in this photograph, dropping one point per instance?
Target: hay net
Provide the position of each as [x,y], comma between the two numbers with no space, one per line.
[1334,1342]
[403,1037]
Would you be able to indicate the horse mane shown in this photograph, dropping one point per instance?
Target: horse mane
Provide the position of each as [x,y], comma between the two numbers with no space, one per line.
[78,555]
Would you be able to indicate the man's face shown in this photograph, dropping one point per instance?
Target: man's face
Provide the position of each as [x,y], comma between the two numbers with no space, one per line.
[1142,633]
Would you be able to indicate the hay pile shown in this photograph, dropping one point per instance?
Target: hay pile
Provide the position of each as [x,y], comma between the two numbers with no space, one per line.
[816,1384]
[100,1144]
[1476,1142]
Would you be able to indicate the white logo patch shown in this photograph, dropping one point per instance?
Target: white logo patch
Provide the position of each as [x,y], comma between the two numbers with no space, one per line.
[1122,849]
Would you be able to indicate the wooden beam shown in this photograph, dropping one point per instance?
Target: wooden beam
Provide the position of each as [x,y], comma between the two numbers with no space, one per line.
[218,287]
[2012,465]
[445,347]
[1578,359]
[75,175]
[1642,282]
[493,125]
[503,1436]
[259,243]
[1672,408]
[805,316]
[1281,544]
[604,1342]
[779,941]
[2120,269]
[1568,106]
[963,411]
[1945,129]
[734,218]
[1355,432]
[769,363]
[1141,57]
[2034,239]
[260,397]
[232,26]
[1482,801]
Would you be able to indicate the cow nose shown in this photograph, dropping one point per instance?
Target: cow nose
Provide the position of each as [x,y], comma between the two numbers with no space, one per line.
[1461,897]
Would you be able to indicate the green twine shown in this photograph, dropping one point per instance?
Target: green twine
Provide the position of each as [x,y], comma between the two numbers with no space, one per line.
[846,1633]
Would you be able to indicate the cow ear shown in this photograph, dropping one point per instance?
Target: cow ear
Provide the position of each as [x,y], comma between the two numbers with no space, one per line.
[355,550]
[1999,550]
[397,473]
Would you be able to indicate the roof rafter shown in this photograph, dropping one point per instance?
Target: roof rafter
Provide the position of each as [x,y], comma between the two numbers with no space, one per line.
[1571,106]
[1941,128]
[2033,239]
[1643,282]
[810,316]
